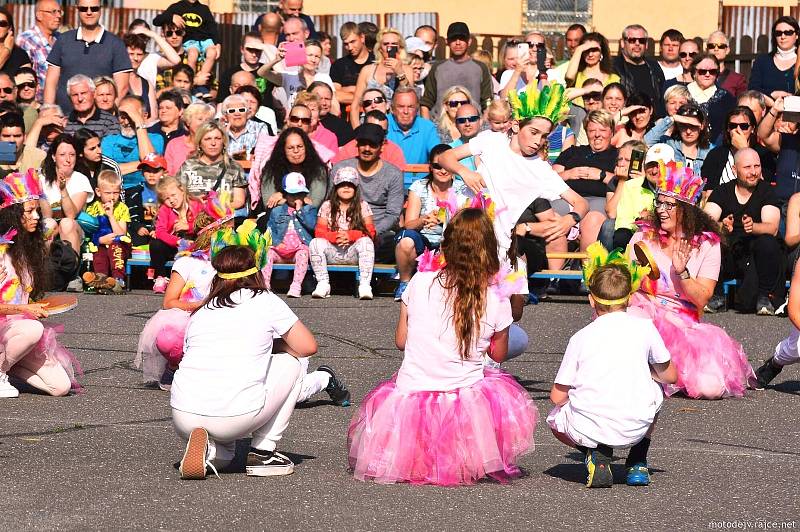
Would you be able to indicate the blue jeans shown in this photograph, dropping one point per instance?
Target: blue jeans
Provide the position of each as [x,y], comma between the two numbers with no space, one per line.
[421,243]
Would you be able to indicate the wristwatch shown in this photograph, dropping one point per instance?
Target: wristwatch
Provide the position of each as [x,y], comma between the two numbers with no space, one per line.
[575,216]
[602,175]
[685,274]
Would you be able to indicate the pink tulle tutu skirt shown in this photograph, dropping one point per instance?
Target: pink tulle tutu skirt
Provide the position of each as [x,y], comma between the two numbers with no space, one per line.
[710,364]
[169,324]
[49,347]
[443,438]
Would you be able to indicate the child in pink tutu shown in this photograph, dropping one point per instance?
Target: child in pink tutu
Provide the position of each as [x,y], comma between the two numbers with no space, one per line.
[29,351]
[444,419]
[685,246]
[161,341]
[604,392]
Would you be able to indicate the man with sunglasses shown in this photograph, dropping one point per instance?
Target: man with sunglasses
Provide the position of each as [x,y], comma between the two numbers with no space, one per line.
[25,80]
[731,81]
[38,40]
[748,213]
[469,123]
[381,186]
[460,69]
[89,50]
[637,72]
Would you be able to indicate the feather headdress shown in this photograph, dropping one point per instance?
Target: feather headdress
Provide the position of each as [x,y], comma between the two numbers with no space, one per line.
[17,187]
[599,256]
[218,206]
[548,103]
[679,182]
[246,235]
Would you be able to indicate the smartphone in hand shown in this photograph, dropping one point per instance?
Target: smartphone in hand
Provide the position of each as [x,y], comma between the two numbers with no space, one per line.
[295,54]
[637,161]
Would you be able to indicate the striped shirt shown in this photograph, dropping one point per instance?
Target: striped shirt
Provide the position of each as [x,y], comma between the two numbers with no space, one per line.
[246,141]
[101,122]
[38,47]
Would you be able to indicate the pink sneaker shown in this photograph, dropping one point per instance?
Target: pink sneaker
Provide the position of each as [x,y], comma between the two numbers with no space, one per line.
[160,285]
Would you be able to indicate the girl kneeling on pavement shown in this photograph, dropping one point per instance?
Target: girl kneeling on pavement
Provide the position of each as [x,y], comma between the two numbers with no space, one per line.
[236,379]
[344,234]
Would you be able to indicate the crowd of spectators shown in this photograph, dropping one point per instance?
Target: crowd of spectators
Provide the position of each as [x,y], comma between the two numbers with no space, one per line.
[154,102]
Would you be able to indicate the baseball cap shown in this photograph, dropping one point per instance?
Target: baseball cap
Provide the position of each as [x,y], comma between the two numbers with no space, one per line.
[294,183]
[660,152]
[153,160]
[457,29]
[414,44]
[372,133]
[346,174]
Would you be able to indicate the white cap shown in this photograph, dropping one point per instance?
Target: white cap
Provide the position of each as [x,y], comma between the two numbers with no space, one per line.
[660,152]
[415,43]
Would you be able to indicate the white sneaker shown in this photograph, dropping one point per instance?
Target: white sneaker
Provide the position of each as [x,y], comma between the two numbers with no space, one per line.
[322,290]
[75,285]
[7,391]
[364,291]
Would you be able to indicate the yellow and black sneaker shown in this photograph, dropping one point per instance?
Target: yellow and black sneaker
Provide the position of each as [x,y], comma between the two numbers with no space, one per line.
[599,468]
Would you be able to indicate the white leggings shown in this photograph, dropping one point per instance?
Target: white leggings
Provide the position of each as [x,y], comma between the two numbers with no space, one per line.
[313,382]
[361,252]
[284,378]
[786,351]
[19,338]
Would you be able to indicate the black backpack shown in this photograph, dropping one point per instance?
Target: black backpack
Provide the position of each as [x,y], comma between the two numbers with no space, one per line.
[64,265]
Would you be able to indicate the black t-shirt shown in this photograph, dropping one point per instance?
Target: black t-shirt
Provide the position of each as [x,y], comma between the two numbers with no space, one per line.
[725,196]
[576,156]
[224,89]
[341,128]
[17,58]
[345,70]
[641,79]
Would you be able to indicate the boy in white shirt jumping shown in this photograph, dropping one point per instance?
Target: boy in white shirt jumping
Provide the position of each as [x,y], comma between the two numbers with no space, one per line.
[605,391]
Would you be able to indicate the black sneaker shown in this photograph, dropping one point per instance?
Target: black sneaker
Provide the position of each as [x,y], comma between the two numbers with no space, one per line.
[338,392]
[766,373]
[716,304]
[268,464]
[599,470]
[764,306]
[552,288]
[165,382]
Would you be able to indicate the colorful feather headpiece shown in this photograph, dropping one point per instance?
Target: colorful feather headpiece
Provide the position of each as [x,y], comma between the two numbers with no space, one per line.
[599,256]
[679,182]
[548,103]
[218,206]
[449,207]
[246,235]
[19,188]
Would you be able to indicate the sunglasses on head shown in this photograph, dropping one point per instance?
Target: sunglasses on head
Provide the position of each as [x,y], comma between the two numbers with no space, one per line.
[786,33]
[302,119]
[27,85]
[467,119]
[634,40]
[684,55]
[707,71]
[84,9]
[170,33]
[713,46]
[377,99]
[236,110]
[743,126]
[457,103]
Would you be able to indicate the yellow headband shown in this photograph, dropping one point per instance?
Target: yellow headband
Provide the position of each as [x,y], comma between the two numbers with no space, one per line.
[237,275]
[610,302]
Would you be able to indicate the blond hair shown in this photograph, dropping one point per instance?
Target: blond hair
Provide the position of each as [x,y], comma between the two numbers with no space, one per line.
[401,45]
[499,107]
[205,129]
[166,182]
[445,122]
[600,116]
[109,177]
[611,282]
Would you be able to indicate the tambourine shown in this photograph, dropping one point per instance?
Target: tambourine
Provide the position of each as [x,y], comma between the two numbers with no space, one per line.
[59,303]
[645,258]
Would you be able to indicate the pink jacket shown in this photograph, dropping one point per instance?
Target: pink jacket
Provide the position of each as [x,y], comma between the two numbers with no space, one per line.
[167,216]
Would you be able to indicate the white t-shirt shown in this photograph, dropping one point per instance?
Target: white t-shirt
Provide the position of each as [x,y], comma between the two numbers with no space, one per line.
[227,355]
[148,69]
[513,181]
[77,183]
[671,72]
[292,84]
[197,274]
[613,399]
[553,74]
[431,361]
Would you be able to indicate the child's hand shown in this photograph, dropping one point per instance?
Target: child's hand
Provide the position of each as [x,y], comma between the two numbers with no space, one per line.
[298,204]
[37,310]
[342,239]
[178,21]
[143,231]
[180,225]
[108,208]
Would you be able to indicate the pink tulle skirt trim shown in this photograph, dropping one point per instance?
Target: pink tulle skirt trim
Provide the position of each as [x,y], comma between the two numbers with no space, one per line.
[443,438]
[710,364]
[171,322]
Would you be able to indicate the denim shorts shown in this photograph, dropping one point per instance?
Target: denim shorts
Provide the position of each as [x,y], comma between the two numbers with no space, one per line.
[200,46]
[421,243]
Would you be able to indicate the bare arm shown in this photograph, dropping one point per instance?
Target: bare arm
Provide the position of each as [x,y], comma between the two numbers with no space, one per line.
[664,372]
[450,161]
[559,394]
[401,332]
[51,83]
[793,308]
[300,341]
[793,221]
[766,129]
[361,84]
[498,349]
[122,80]
[172,296]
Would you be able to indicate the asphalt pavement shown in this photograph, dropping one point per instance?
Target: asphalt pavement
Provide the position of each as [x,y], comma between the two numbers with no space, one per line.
[103,459]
